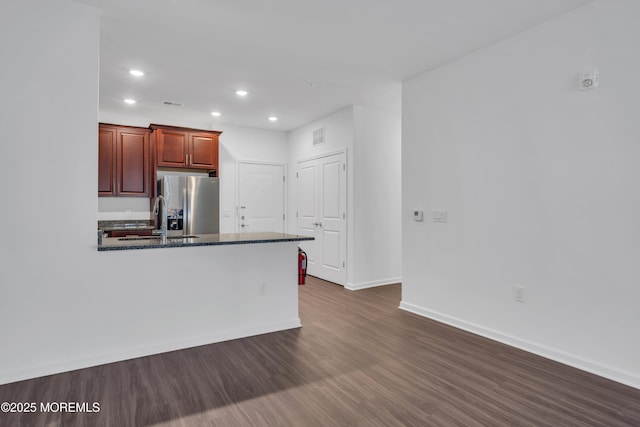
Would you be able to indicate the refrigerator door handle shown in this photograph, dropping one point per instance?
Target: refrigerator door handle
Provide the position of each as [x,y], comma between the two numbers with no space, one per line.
[186,212]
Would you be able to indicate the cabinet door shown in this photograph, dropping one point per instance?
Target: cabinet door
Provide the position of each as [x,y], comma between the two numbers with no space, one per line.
[172,148]
[133,162]
[106,161]
[203,151]
[125,233]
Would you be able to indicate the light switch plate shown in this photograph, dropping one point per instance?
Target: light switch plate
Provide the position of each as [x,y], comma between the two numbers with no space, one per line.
[439,215]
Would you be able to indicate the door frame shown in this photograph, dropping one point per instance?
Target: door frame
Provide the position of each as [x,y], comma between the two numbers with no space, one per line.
[327,154]
[285,192]
[344,151]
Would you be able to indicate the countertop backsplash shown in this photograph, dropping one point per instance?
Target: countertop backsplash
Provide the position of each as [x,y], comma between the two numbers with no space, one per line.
[124,208]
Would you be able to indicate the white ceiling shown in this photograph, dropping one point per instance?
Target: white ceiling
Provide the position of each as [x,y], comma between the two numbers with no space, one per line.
[198,52]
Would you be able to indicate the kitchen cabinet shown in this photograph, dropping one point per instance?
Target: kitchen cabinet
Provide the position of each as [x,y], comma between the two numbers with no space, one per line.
[185,148]
[123,161]
[106,161]
[125,233]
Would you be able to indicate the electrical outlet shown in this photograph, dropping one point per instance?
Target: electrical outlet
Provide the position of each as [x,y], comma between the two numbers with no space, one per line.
[262,288]
[589,80]
[439,215]
[518,294]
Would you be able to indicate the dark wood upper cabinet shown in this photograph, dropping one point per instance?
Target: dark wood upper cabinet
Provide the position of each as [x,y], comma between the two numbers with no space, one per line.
[203,150]
[123,161]
[172,147]
[128,157]
[133,162]
[106,161]
[186,148]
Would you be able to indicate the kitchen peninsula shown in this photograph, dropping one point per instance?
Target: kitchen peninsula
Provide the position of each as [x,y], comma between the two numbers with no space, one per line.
[195,286]
[194,291]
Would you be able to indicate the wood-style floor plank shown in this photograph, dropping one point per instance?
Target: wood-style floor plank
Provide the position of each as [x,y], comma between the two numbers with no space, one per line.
[357,361]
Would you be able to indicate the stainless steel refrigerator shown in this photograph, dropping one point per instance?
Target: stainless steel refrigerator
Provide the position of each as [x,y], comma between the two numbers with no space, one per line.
[192,204]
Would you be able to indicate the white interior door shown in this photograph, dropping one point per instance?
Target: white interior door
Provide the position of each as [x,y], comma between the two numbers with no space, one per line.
[260,198]
[308,212]
[322,213]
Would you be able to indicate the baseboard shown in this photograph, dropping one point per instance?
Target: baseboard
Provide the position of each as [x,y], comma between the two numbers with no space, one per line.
[617,375]
[373,284]
[147,350]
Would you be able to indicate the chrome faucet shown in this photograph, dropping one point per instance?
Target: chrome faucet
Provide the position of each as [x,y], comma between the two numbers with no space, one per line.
[163,215]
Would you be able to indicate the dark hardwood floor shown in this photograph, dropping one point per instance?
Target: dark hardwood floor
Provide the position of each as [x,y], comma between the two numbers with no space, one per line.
[357,361]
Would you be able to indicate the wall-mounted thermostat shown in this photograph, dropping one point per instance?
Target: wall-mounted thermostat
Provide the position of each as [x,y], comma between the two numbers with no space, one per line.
[589,80]
[418,215]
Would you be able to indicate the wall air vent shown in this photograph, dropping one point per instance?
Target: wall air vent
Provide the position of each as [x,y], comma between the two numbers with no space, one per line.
[172,103]
[318,136]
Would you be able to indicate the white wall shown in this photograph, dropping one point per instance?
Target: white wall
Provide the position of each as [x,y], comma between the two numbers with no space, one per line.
[370,132]
[377,189]
[245,144]
[540,182]
[63,304]
[237,143]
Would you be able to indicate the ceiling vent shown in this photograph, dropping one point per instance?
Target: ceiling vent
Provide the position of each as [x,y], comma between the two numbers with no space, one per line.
[318,136]
[172,104]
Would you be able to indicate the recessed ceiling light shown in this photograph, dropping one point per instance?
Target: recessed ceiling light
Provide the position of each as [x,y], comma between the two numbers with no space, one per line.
[130,101]
[215,114]
[242,92]
[273,118]
[136,73]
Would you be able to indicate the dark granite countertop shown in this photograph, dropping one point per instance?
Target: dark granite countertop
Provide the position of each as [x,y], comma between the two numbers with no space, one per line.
[126,243]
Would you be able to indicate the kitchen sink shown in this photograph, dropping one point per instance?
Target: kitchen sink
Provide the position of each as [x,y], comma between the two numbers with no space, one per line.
[157,237]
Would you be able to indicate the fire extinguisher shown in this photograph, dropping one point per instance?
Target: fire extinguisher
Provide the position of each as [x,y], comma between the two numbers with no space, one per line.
[302,266]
